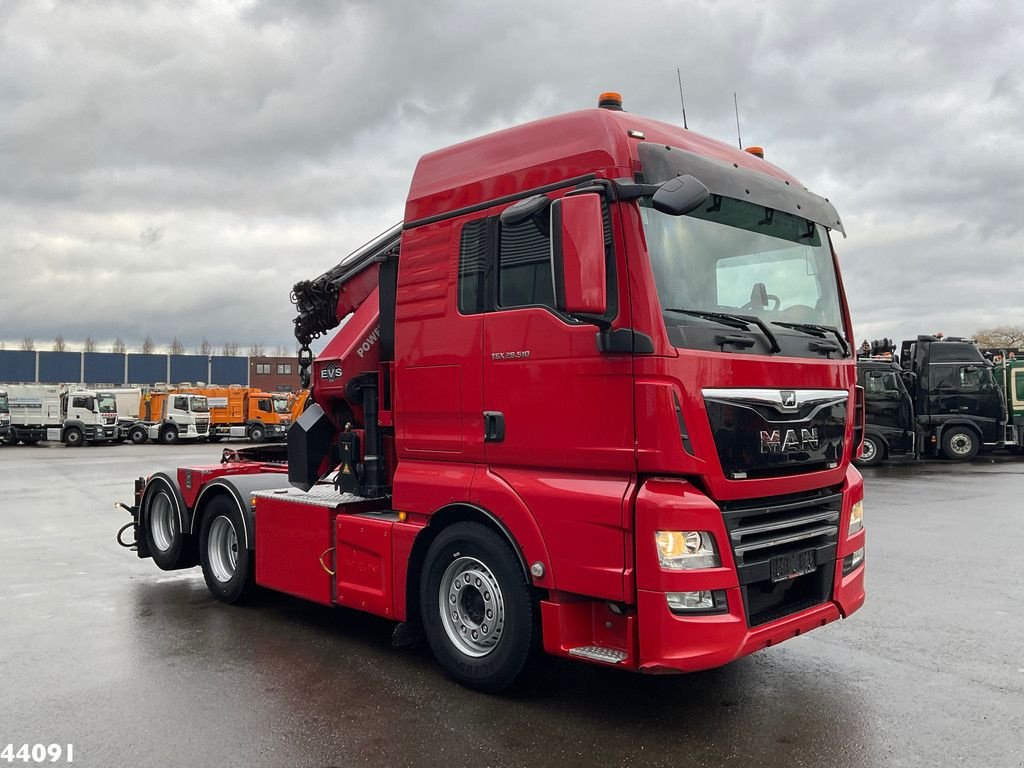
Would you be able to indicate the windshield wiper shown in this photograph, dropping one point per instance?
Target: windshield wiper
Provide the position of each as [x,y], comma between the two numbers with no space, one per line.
[821,331]
[734,321]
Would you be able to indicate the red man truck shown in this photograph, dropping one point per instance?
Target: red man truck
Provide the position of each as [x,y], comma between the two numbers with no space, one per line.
[596,395]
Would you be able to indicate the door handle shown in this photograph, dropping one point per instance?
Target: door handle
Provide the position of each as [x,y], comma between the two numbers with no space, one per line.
[494,426]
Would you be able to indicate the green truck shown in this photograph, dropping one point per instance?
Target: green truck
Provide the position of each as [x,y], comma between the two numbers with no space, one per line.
[1008,372]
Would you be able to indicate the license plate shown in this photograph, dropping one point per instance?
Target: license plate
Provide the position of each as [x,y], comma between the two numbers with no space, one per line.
[786,567]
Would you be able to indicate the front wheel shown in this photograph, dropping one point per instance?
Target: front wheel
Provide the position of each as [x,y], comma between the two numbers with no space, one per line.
[257,433]
[478,614]
[873,452]
[228,567]
[73,437]
[960,443]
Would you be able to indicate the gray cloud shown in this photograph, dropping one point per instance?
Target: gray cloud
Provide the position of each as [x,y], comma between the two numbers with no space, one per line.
[171,169]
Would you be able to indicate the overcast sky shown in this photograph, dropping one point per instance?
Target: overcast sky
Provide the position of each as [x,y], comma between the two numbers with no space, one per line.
[173,168]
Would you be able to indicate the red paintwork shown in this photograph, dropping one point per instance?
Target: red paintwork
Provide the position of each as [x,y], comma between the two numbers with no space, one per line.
[290,539]
[592,463]
[192,479]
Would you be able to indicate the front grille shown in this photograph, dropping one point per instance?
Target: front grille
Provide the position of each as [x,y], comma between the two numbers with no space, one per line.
[760,531]
[202,425]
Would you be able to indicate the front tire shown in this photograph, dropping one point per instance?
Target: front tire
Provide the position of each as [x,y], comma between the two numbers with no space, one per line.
[73,437]
[960,443]
[228,567]
[478,614]
[257,433]
[873,453]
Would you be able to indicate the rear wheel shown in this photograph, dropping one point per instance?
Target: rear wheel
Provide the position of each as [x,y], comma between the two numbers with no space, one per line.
[478,614]
[228,566]
[960,443]
[169,436]
[164,537]
[873,453]
[138,435]
[73,437]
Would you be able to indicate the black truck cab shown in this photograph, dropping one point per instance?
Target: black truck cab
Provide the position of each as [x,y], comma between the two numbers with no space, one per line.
[957,405]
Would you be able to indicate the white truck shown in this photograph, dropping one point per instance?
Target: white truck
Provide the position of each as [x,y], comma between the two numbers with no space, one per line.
[62,413]
[168,416]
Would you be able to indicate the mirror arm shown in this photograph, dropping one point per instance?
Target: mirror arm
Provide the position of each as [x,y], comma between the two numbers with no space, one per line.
[626,189]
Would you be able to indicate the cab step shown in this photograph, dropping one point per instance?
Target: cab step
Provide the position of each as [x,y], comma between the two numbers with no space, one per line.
[597,653]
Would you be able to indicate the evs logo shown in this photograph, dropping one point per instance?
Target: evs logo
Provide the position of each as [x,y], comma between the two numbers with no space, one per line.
[330,372]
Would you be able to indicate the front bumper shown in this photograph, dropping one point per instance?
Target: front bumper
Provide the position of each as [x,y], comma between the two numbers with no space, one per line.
[669,642]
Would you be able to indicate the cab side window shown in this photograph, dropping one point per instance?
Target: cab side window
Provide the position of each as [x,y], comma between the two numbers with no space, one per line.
[80,402]
[524,264]
[181,403]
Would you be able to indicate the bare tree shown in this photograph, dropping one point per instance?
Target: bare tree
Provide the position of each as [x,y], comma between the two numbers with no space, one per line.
[148,346]
[1000,336]
[230,349]
[118,346]
[204,348]
[59,344]
[28,344]
[176,347]
[3,346]
[255,350]
[281,351]
[89,345]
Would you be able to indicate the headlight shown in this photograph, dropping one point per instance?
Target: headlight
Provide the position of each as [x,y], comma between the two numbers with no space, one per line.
[856,517]
[853,561]
[684,550]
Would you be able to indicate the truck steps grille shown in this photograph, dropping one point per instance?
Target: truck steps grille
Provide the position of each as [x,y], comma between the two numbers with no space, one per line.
[597,653]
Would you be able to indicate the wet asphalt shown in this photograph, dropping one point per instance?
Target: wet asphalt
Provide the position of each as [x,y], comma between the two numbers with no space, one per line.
[137,667]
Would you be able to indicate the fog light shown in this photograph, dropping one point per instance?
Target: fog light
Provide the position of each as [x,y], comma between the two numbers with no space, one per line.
[853,561]
[856,517]
[685,550]
[704,601]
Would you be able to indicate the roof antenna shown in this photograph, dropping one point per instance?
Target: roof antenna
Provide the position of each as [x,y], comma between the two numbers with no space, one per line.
[736,106]
[681,102]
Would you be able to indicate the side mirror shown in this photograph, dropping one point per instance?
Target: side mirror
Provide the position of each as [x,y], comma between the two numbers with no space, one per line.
[680,195]
[577,254]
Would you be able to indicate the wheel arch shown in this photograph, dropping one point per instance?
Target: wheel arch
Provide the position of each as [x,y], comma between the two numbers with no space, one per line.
[443,518]
[942,428]
[239,489]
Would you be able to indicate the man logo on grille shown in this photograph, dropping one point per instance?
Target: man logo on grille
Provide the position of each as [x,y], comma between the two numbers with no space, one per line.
[788,398]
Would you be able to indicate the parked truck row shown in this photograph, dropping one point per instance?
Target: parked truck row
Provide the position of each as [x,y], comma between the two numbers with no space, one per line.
[31,413]
[940,397]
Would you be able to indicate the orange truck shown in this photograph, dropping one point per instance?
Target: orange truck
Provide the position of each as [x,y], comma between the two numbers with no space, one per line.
[237,411]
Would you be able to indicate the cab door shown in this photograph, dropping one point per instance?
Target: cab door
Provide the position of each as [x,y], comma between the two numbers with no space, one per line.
[980,399]
[558,413]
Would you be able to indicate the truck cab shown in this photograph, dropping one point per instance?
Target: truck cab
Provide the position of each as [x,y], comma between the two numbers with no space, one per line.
[168,416]
[89,416]
[889,431]
[1009,374]
[958,407]
[241,412]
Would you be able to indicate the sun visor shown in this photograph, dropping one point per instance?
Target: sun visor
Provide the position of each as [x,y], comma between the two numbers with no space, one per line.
[661,163]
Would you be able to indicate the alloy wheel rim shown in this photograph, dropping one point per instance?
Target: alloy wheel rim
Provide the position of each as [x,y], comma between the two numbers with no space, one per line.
[163,522]
[961,444]
[869,451]
[222,549]
[472,607]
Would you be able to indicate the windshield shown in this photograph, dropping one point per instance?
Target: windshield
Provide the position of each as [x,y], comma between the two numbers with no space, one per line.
[106,403]
[736,257]
[281,405]
[198,404]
